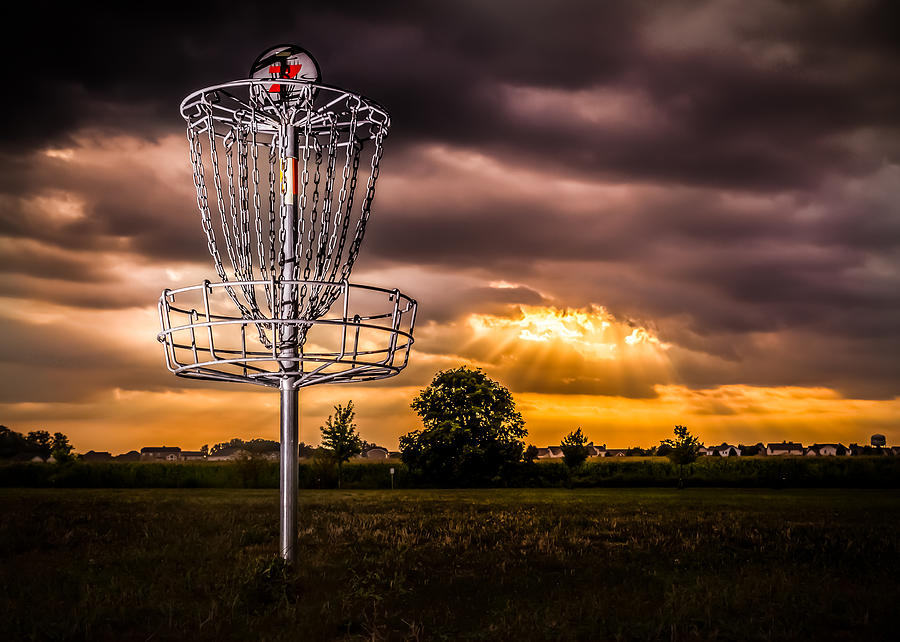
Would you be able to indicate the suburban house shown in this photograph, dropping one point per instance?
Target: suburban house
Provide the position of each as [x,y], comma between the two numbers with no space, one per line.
[724,450]
[596,451]
[784,448]
[550,452]
[163,453]
[131,455]
[616,452]
[92,455]
[826,450]
[192,455]
[375,453]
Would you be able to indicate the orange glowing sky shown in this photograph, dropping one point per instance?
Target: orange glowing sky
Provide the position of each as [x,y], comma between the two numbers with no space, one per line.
[632,216]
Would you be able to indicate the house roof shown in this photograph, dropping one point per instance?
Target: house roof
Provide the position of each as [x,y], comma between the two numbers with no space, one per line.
[785,445]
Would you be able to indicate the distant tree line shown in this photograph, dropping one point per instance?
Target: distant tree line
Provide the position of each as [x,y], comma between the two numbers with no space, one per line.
[37,443]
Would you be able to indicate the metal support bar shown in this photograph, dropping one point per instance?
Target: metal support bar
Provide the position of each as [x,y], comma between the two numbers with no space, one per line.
[287,478]
[287,482]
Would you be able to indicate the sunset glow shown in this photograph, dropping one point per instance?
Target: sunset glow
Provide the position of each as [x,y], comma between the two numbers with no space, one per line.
[686,215]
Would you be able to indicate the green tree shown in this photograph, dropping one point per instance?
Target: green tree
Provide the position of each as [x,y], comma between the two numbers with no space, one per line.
[530,454]
[340,437]
[472,430]
[574,447]
[663,449]
[685,449]
[60,447]
[12,443]
[41,442]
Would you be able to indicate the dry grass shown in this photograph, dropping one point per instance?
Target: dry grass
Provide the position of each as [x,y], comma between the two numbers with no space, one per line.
[480,564]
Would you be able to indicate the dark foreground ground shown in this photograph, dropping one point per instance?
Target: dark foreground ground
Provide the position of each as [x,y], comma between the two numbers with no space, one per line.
[483,564]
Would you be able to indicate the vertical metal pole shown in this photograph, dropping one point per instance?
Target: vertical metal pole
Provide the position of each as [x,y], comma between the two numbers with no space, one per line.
[287,481]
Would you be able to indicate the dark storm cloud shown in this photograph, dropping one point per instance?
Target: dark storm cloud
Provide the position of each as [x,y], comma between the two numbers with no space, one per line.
[750,156]
[442,68]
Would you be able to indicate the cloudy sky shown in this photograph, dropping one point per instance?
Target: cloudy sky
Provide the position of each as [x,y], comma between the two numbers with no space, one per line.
[632,214]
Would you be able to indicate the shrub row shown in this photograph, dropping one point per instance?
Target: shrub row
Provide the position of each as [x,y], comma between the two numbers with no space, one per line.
[771,472]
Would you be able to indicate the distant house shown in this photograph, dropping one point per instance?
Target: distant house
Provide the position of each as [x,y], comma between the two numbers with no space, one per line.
[826,450]
[596,451]
[161,453]
[784,448]
[376,453]
[131,455]
[192,455]
[550,452]
[92,455]
[724,450]
[616,452]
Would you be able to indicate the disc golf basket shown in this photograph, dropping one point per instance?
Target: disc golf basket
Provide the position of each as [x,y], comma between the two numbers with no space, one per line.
[285,170]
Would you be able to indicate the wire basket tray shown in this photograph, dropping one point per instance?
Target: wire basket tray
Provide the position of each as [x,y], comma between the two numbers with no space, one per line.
[366,335]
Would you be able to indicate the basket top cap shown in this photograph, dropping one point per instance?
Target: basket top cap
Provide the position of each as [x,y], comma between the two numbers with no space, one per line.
[286,61]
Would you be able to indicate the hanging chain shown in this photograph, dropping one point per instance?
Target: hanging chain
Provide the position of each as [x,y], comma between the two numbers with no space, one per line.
[324,212]
[325,248]
[317,177]
[203,201]
[273,216]
[367,203]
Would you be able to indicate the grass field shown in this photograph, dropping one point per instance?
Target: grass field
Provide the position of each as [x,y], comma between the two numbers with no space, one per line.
[592,564]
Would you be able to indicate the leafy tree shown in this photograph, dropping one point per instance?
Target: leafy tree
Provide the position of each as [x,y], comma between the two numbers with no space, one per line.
[472,430]
[574,447]
[60,447]
[685,449]
[531,454]
[663,449]
[339,435]
[306,450]
[749,451]
[234,443]
[12,443]
[40,441]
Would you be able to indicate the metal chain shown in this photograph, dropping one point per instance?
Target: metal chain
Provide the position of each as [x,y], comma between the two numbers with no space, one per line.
[324,253]
[203,203]
[257,207]
[345,199]
[273,220]
[220,199]
[317,177]
[237,241]
[246,234]
[283,181]
[367,203]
